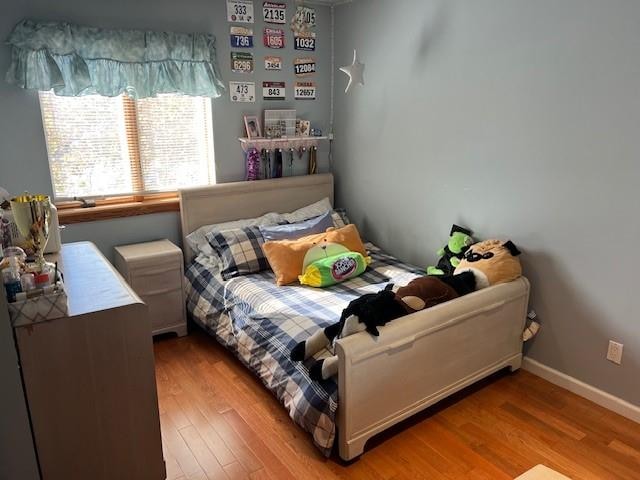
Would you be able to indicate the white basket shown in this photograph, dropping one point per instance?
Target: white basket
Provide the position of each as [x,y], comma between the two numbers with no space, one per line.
[39,309]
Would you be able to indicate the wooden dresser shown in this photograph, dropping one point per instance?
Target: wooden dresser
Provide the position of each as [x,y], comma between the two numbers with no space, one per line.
[89,378]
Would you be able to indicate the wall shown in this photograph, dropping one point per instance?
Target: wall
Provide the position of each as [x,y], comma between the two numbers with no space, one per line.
[520,120]
[23,157]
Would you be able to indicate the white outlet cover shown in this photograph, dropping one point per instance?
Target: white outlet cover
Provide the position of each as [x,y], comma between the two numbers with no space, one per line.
[614,352]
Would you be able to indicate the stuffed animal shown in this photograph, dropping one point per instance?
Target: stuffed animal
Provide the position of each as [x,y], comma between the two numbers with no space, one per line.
[451,254]
[492,262]
[373,310]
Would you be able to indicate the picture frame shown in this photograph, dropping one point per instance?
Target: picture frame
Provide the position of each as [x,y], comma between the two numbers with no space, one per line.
[252,126]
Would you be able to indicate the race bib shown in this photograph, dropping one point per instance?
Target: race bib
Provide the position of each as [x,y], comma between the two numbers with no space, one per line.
[274,12]
[305,41]
[241,62]
[242,91]
[240,11]
[273,90]
[273,38]
[273,63]
[241,37]
[303,67]
[305,91]
[304,19]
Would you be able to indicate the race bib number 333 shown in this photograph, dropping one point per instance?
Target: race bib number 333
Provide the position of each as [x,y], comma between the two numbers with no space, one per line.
[240,11]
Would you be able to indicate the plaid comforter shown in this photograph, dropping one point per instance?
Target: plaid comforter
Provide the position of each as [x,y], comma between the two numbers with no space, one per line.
[261,323]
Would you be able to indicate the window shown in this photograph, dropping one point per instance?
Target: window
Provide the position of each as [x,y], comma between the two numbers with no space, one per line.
[102,147]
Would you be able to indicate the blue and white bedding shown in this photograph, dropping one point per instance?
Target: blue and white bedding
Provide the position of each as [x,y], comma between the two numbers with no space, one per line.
[261,322]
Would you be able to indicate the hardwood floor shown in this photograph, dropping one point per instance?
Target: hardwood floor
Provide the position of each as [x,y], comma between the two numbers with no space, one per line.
[219,422]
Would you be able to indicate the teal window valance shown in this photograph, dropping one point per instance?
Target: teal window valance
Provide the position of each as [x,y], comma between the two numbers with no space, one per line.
[76,60]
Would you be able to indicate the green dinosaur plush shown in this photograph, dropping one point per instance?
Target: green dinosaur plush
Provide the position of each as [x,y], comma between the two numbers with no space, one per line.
[450,255]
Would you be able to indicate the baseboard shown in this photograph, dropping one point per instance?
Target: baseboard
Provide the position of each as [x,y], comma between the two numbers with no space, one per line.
[602,398]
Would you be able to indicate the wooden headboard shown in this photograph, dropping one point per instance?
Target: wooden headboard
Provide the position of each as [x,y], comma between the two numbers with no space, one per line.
[232,201]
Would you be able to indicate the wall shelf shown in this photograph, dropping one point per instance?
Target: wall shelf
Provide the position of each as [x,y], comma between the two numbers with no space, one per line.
[282,142]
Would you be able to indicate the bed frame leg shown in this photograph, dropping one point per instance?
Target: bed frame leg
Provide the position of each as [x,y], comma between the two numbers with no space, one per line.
[349,451]
[515,363]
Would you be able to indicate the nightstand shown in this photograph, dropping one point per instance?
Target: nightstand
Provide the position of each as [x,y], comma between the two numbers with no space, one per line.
[155,271]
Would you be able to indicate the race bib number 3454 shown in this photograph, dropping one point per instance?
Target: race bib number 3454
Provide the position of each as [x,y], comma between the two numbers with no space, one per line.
[240,11]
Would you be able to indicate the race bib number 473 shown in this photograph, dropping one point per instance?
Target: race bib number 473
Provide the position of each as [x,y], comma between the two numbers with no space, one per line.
[240,11]
[242,91]
[274,12]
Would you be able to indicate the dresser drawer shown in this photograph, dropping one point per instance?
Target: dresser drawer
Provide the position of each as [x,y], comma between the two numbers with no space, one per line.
[165,309]
[154,281]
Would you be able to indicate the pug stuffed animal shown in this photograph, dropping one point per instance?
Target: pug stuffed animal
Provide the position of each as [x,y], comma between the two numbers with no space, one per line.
[374,310]
[491,262]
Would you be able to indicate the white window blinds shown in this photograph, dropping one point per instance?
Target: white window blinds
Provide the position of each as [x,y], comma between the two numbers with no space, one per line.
[105,147]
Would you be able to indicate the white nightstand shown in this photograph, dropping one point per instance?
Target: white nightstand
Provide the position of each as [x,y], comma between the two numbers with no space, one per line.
[155,271]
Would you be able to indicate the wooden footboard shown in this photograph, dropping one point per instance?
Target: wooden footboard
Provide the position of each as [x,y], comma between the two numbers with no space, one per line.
[422,358]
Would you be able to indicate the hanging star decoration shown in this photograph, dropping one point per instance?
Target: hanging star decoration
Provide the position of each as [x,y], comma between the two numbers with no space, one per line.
[355,72]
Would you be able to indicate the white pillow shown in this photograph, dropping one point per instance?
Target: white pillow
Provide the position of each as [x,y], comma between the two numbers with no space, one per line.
[198,243]
[310,211]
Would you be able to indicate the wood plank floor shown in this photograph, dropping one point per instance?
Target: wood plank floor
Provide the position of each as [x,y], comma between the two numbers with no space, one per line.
[219,422]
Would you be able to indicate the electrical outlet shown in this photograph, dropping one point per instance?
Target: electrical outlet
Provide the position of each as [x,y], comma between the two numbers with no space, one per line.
[614,352]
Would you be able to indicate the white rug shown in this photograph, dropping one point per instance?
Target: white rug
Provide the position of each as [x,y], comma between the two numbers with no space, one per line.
[540,472]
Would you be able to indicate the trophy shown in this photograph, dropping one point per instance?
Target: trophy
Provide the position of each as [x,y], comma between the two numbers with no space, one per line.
[32,216]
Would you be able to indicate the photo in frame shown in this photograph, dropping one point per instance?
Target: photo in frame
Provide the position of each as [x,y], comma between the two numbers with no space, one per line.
[252,126]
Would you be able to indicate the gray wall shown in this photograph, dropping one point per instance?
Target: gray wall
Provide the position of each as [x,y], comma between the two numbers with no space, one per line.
[23,157]
[521,120]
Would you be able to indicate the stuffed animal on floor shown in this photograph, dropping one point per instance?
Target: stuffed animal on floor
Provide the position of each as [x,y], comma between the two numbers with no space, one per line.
[450,255]
[492,262]
[373,310]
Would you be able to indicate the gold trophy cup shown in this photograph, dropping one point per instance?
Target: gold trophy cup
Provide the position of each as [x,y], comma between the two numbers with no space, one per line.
[32,215]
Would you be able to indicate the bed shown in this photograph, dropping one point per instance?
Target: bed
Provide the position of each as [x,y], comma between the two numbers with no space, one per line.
[438,351]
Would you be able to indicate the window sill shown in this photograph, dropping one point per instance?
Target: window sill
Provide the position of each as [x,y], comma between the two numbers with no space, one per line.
[68,216]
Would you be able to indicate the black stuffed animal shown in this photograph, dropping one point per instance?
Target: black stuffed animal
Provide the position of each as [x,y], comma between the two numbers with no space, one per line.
[374,310]
[367,312]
